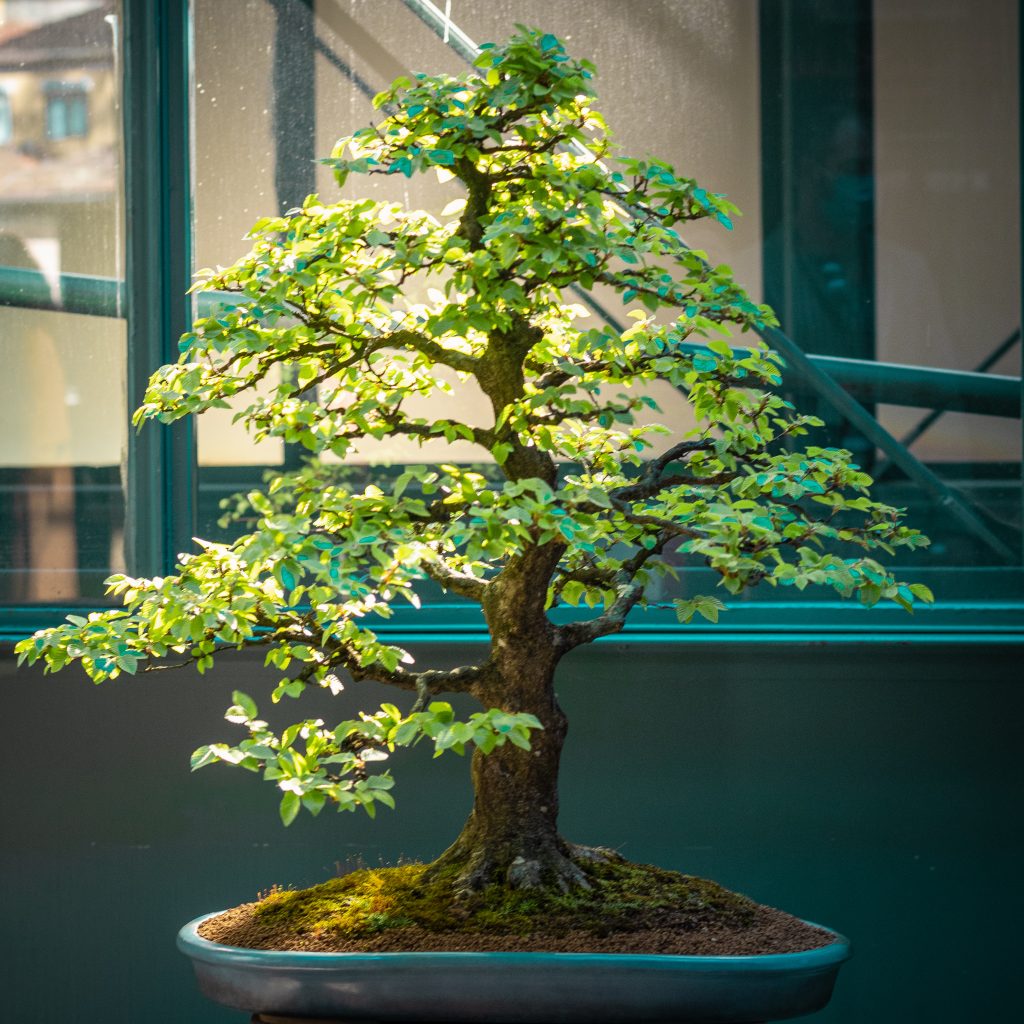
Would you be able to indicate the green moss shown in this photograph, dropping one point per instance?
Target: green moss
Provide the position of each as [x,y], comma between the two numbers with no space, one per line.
[624,896]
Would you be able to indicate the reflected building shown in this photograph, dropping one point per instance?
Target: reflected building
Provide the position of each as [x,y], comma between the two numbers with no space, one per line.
[61,410]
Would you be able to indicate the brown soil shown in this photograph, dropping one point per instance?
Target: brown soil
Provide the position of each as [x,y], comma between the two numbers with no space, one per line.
[631,909]
[771,932]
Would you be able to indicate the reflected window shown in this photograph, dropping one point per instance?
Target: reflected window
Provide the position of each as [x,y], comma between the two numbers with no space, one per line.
[67,110]
[6,119]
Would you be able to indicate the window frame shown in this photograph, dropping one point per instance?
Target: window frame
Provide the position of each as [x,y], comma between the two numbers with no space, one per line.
[162,472]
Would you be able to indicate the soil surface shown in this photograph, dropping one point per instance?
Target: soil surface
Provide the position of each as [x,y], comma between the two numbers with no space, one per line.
[772,932]
[630,909]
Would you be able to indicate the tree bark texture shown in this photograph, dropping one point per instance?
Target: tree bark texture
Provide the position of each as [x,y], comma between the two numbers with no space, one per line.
[511,836]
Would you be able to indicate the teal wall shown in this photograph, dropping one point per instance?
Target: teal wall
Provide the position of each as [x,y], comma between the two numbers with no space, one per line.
[875,789]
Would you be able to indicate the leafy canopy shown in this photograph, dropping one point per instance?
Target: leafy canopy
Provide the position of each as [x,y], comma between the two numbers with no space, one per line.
[367,308]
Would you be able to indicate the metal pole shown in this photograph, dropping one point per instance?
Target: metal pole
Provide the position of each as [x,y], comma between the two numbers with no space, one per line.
[160,478]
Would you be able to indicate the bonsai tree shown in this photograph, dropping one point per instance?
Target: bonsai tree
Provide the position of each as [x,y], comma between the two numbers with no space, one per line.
[585,507]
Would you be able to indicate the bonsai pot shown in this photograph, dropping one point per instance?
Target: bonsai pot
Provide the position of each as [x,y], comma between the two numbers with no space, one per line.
[515,988]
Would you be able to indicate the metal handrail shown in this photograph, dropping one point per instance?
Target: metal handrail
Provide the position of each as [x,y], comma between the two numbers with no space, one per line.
[982,368]
[81,294]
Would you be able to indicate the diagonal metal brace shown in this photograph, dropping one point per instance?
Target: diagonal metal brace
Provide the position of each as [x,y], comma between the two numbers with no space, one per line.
[899,455]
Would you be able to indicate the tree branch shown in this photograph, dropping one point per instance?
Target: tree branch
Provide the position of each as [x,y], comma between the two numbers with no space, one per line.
[629,593]
[481,436]
[430,681]
[460,583]
[649,480]
[404,338]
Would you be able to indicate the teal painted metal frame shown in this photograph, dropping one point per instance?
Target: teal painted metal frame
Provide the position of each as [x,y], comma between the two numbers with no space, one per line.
[162,462]
[161,474]
[975,622]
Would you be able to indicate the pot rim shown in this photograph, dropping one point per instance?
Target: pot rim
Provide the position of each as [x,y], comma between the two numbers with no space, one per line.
[192,944]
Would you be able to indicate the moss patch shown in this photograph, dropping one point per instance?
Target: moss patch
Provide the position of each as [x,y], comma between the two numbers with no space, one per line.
[629,907]
[369,901]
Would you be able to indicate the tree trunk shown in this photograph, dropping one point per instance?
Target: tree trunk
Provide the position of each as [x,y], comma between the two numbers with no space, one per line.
[511,836]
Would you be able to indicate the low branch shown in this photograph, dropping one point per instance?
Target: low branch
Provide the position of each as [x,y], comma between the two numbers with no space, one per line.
[256,640]
[460,583]
[629,589]
[430,681]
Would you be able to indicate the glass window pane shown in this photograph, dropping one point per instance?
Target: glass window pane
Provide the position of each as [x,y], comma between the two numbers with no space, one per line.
[63,415]
[78,120]
[62,433]
[57,117]
[6,120]
[872,146]
[320,88]
[947,243]
[892,236]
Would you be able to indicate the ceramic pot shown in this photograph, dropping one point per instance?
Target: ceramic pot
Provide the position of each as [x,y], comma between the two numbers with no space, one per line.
[515,988]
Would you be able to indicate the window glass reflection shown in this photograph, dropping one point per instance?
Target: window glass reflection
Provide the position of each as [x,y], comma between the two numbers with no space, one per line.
[62,393]
[872,145]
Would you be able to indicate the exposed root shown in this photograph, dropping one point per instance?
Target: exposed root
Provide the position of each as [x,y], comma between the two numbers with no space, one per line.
[558,866]
[594,854]
[559,871]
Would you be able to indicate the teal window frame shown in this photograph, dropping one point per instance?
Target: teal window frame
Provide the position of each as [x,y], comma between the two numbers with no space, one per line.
[162,471]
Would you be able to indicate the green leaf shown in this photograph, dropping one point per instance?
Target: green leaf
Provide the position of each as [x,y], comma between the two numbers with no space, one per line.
[313,802]
[705,606]
[383,797]
[289,809]
[246,703]
[517,739]
[202,757]
[289,736]
[501,452]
